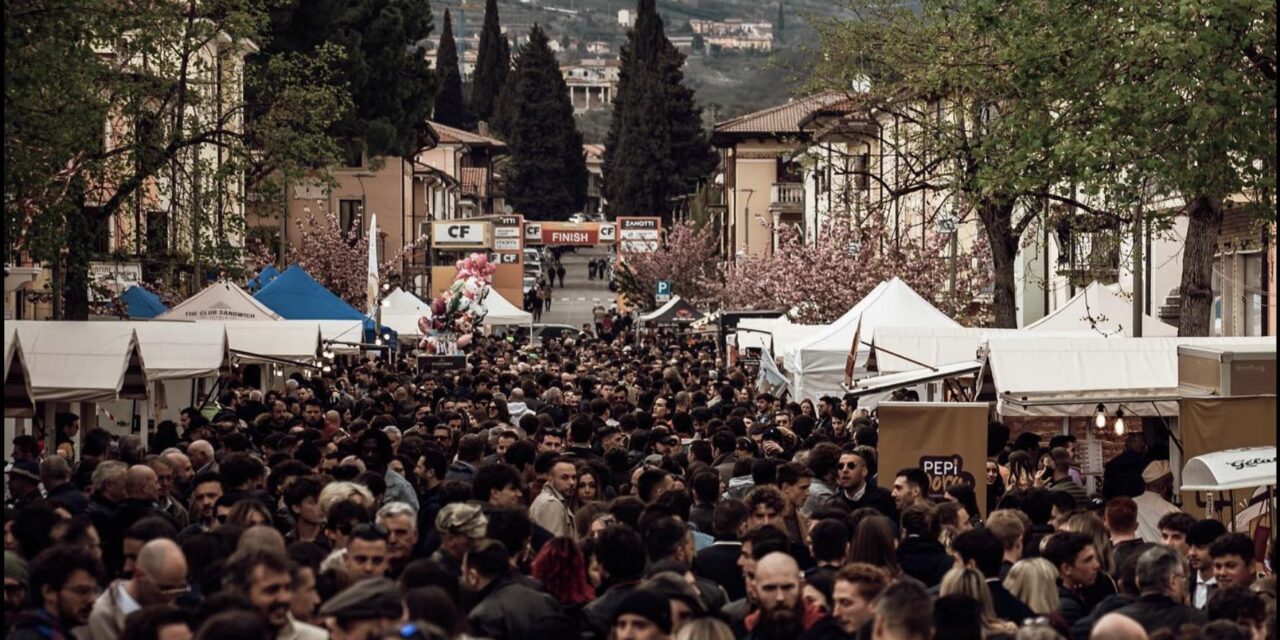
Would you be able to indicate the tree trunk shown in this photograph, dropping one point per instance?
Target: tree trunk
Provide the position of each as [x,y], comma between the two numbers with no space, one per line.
[80,225]
[997,221]
[1204,223]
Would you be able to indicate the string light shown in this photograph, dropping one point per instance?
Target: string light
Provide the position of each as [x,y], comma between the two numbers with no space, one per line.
[1119,426]
[1100,418]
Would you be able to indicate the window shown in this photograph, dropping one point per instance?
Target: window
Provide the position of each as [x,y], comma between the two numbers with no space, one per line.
[157,232]
[1252,295]
[350,214]
[1215,315]
[861,165]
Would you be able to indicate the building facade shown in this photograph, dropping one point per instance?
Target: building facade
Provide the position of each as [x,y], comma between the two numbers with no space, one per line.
[593,82]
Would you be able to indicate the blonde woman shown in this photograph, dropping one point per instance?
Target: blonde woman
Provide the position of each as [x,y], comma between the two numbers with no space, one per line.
[336,492]
[1034,581]
[969,582]
[704,629]
[1090,523]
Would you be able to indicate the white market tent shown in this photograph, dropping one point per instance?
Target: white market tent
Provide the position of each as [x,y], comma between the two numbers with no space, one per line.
[501,312]
[290,340]
[401,310]
[222,301]
[892,347]
[818,363]
[18,401]
[176,350]
[340,336]
[1113,315]
[1060,376]
[1243,468]
[781,333]
[82,361]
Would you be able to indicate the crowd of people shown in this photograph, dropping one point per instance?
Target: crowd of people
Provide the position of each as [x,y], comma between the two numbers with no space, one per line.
[590,488]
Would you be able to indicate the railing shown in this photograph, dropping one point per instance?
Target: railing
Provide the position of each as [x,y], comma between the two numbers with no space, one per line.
[786,194]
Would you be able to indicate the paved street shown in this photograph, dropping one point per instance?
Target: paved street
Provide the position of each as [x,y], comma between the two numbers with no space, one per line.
[572,304]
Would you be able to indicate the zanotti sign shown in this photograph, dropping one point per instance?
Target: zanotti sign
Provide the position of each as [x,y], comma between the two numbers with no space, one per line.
[639,235]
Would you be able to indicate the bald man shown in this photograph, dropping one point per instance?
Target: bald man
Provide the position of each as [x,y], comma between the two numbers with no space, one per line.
[332,422]
[142,483]
[779,590]
[159,577]
[1115,626]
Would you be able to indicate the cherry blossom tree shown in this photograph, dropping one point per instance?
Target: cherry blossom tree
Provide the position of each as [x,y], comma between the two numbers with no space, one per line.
[686,261]
[339,260]
[818,282]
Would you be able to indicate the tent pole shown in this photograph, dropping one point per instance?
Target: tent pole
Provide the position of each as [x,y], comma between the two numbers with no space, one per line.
[50,428]
[146,415]
[1175,458]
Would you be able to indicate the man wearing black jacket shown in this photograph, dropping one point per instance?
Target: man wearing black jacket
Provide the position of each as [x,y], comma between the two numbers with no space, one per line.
[1162,577]
[856,491]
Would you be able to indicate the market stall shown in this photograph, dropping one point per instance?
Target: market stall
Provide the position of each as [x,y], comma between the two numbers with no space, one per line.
[295,295]
[1230,470]
[221,302]
[18,402]
[142,304]
[676,312]
[1101,309]
[401,311]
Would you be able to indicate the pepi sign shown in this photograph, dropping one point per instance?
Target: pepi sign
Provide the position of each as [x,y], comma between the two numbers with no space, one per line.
[945,471]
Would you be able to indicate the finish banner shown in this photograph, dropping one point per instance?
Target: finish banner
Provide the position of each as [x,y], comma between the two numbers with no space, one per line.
[947,440]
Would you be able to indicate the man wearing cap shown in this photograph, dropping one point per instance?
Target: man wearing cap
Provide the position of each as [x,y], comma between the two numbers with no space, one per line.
[366,609]
[15,587]
[643,615]
[1153,504]
[460,525]
[24,484]
[550,509]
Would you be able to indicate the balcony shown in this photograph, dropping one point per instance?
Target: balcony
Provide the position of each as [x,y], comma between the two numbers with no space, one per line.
[786,197]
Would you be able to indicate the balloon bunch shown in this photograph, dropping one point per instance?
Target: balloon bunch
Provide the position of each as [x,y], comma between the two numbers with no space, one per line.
[458,311]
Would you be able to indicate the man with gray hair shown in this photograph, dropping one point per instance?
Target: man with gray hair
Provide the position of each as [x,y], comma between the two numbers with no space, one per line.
[400,520]
[55,475]
[201,454]
[159,577]
[104,503]
[1162,581]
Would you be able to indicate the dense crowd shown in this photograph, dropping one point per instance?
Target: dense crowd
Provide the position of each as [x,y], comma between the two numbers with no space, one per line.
[588,488]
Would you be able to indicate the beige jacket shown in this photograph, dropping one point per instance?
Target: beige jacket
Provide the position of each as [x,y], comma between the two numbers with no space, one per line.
[550,512]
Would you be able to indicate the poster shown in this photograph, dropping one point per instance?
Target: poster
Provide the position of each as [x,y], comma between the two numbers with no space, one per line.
[948,440]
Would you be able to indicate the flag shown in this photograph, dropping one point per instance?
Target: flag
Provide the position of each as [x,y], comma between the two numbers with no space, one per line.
[373,265]
[770,380]
[851,360]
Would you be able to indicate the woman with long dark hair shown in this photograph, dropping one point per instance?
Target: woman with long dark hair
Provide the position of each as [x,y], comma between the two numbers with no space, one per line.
[874,543]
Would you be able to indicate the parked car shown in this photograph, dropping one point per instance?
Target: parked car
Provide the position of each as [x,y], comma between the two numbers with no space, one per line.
[578,217]
[529,283]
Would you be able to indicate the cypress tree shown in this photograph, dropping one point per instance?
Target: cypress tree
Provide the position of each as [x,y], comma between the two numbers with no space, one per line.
[656,148]
[548,173]
[492,63]
[451,109]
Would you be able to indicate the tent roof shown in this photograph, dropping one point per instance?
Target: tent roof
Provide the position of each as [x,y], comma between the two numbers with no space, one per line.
[757,333]
[1112,313]
[295,295]
[222,301]
[401,310]
[894,381]
[82,361]
[174,350]
[341,331]
[1042,376]
[677,310]
[264,277]
[18,401]
[142,303]
[818,363]
[892,345]
[502,312]
[1231,469]
[283,339]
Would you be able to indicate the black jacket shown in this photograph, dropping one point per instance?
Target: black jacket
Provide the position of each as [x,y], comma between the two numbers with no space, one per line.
[719,564]
[1155,611]
[600,612]
[1122,475]
[925,560]
[1070,605]
[69,496]
[1008,606]
[1081,628]
[509,610]
[873,497]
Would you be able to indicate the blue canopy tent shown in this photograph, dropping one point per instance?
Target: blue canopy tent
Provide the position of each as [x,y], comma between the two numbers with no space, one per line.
[142,303]
[295,295]
[263,278]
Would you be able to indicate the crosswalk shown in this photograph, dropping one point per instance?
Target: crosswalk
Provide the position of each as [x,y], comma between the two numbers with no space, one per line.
[584,299]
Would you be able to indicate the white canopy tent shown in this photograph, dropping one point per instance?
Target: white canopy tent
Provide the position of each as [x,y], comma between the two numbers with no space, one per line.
[781,333]
[337,332]
[174,350]
[82,361]
[222,301]
[818,363]
[501,312]
[401,310]
[1244,468]
[1112,315]
[18,400]
[1061,376]
[290,340]
[892,346]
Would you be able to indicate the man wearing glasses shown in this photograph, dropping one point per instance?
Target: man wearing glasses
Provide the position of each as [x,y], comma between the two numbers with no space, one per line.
[65,582]
[159,577]
[856,491]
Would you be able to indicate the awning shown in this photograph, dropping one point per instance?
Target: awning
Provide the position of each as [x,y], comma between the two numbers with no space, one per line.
[676,311]
[220,302]
[336,333]
[18,401]
[1231,469]
[1100,309]
[142,303]
[1039,376]
[292,340]
[401,311]
[82,361]
[500,311]
[175,350]
[895,381]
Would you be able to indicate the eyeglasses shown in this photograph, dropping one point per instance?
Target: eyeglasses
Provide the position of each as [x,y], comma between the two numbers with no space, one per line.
[174,591]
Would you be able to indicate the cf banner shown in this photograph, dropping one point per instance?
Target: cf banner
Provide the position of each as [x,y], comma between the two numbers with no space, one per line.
[947,440]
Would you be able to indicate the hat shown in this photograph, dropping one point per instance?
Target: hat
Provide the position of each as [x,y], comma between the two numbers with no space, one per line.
[15,567]
[369,599]
[646,604]
[26,469]
[1156,470]
[462,518]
